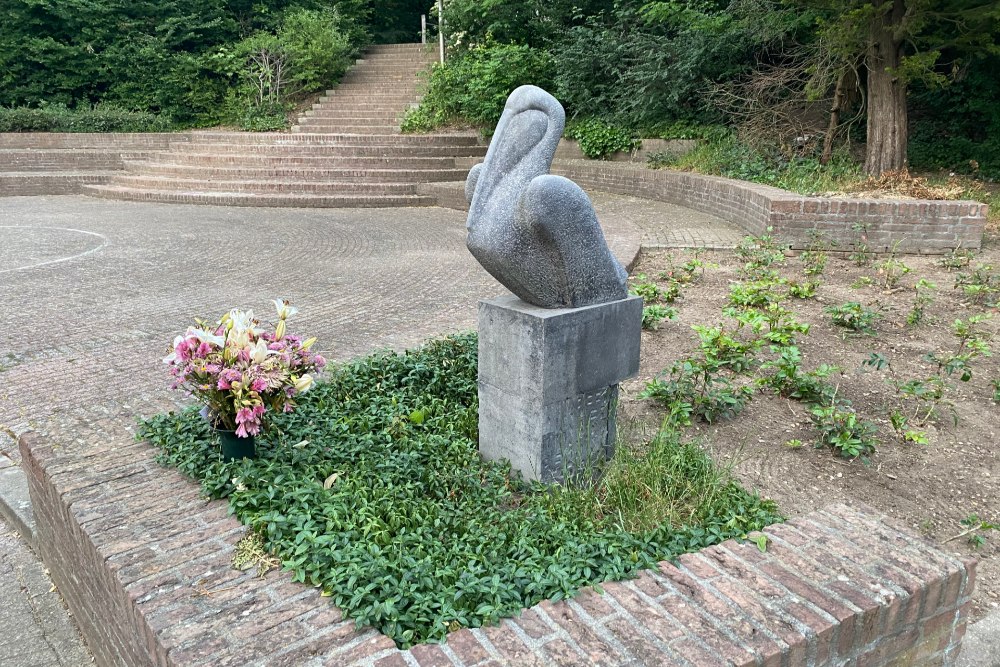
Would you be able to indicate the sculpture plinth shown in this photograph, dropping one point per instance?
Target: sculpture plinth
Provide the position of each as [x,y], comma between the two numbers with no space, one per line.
[548,382]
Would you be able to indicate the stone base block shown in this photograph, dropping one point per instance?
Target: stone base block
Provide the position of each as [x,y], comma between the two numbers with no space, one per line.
[548,382]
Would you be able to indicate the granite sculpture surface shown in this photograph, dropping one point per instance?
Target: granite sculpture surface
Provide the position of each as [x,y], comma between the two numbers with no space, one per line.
[537,234]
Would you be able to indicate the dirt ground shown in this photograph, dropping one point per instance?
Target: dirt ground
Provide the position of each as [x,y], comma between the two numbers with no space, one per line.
[928,489]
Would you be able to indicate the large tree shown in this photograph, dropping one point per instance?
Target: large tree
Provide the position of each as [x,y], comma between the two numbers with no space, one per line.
[896,42]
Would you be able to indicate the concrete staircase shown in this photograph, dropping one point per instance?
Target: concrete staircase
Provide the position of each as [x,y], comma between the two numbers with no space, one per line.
[346,151]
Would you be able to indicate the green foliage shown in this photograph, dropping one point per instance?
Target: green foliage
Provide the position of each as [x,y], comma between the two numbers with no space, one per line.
[892,271]
[862,254]
[598,139]
[842,429]
[101,118]
[996,390]
[374,491]
[853,316]
[473,86]
[974,527]
[692,388]
[789,380]
[732,158]
[806,290]
[981,285]
[923,296]
[654,314]
[957,128]
[178,59]
[762,255]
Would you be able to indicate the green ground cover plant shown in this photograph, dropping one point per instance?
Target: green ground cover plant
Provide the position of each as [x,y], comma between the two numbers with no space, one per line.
[373,490]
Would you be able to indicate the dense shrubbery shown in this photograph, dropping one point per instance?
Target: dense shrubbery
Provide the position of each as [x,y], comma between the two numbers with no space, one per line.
[728,156]
[473,87]
[958,128]
[192,63]
[102,118]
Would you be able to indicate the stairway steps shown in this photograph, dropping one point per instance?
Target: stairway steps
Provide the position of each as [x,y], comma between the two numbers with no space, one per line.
[294,173]
[333,150]
[346,150]
[206,160]
[303,140]
[253,199]
[270,186]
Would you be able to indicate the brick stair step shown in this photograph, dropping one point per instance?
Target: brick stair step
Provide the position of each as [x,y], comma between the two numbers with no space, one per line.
[351,118]
[251,199]
[286,161]
[58,159]
[334,112]
[251,151]
[293,173]
[277,139]
[29,183]
[263,187]
[387,131]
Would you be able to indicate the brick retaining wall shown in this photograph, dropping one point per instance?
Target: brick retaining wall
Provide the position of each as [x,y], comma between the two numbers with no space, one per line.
[144,564]
[909,226]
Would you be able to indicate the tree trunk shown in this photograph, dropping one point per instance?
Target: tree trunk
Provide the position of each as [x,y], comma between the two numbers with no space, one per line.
[831,130]
[886,149]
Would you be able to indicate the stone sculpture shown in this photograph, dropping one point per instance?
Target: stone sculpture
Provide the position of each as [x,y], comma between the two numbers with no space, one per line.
[552,354]
[536,233]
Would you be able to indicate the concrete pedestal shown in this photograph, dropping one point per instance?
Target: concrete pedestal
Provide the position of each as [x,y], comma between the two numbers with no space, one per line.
[548,382]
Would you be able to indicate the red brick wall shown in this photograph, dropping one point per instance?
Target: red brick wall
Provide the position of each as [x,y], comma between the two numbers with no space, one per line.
[912,226]
[144,563]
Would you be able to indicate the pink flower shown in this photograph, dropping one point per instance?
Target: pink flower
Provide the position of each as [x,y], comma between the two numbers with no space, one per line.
[319,360]
[258,385]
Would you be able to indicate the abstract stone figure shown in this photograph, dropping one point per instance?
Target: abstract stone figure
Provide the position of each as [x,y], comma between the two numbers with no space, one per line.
[535,233]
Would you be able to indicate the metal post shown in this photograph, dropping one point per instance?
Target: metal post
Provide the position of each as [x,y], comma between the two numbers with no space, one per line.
[441,27]
[423,28]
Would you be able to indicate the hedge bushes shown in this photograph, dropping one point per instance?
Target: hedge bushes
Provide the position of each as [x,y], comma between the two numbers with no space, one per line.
[101,118]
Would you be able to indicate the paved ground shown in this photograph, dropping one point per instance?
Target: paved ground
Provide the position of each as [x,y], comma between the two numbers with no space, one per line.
[37,628]
[93,291]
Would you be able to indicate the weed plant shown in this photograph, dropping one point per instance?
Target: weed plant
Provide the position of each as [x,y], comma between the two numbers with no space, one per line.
[923,296]
[373,490]
[980,286]
[854,317]
[653,315]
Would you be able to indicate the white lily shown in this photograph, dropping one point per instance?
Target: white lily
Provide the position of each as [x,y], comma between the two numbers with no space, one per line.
[172,357]
[259,351]
[206,336]
[303,383]
[284,309]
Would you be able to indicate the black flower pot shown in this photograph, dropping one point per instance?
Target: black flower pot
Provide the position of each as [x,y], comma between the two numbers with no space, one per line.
[234,447]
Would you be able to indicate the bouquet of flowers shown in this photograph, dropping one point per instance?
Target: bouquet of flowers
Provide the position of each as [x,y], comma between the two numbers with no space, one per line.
[239,371]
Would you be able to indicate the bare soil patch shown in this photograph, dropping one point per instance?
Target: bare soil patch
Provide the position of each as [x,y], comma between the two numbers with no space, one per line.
[928,489]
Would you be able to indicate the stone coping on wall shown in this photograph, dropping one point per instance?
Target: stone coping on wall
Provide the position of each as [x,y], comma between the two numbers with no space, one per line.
[144,563]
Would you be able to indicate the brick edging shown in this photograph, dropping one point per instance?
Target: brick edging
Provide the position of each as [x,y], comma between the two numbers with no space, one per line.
[144,564]
[908,226]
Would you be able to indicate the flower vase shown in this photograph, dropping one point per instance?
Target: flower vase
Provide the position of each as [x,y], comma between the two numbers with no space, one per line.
[235,447]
